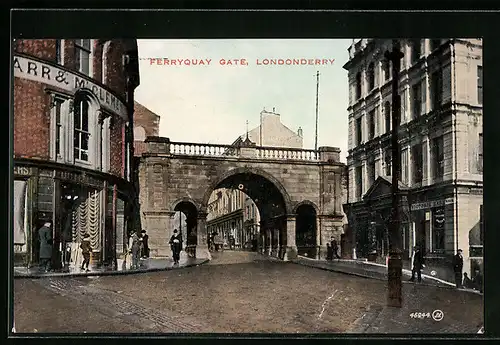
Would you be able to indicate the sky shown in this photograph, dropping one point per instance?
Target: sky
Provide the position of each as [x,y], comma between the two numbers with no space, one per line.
[211,103]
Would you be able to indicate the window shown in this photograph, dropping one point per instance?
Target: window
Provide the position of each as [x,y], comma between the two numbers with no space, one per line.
[371,124]
[358,85]
[59,127]
[359,181]
[417,163]
[417,99]
[438,220]
[386,68]
[480,84]
[480,154]
[358,130]
[371,76]
[82,56]
[416,51]
[371,173]
[81,130]
[59,52]
[388,161]
[435,43]
[436,89]
[438,157]
[388,116]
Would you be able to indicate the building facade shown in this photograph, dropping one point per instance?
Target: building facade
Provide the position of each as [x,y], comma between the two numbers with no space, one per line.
[440,139]
[72,116]
[232,212]
[146,123]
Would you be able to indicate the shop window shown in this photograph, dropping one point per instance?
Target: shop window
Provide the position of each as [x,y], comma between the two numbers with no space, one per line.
[82,56]
[438,222]
[388,116]
[20,215]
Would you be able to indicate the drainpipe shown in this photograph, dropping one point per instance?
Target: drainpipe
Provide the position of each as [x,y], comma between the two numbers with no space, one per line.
[454,114]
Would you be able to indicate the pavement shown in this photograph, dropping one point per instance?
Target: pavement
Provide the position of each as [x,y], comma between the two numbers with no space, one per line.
[373,270]
[145,265]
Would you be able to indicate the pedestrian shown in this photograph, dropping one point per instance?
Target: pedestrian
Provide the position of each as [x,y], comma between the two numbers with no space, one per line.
[417,263]
[329,252]
[176,246]
[45,237]
[134,247]
[477,281]
[458,265]
[335,248]
[467,282]
[145,244]
[86,249]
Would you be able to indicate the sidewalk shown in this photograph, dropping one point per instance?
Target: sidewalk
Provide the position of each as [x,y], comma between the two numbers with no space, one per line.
[372,270]
[146,265]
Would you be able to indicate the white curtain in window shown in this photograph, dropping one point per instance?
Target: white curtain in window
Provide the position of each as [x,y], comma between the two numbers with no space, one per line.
[20,200]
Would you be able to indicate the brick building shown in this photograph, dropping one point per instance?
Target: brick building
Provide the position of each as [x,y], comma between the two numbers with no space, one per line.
[441,147]
[73,146]
[146,123]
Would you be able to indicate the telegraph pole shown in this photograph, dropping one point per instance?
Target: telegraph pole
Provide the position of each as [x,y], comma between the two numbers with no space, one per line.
[317,93]
[395,264]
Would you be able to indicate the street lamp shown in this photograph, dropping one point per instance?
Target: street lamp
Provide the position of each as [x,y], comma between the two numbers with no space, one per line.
[395,264]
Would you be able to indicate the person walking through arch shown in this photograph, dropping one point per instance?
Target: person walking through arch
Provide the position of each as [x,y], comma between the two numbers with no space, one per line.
[134,247]
[145,244]
[176,246]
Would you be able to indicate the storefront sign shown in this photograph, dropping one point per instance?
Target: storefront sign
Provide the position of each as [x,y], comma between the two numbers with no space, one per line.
[431,204]
[44,73]
[20,170]
[79,178]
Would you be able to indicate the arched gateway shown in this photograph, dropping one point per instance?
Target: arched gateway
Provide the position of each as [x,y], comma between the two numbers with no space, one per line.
[292,189]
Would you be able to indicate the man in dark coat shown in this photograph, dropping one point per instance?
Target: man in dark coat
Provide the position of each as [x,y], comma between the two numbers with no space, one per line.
[335,248]
[86,250]
[458,265]
[329,252]
[145,244]
[176,246]
[417,264]
[45,237]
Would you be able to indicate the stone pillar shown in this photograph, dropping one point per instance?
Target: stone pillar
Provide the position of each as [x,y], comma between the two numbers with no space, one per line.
[275,244]
[268,241]
[291,248]
[318,238]
[159,226]
[201,238]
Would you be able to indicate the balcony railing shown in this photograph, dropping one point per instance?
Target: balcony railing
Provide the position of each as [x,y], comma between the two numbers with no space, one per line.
[217,150]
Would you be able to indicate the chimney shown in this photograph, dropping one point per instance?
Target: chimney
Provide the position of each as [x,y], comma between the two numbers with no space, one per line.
[299,132]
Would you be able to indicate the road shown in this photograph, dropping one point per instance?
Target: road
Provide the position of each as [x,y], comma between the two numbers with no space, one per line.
[237,292]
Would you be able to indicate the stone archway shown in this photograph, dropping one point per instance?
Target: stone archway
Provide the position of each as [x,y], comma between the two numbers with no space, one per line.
[187,224]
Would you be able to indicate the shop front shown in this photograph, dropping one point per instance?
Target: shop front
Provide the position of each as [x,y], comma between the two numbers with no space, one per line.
[75,202]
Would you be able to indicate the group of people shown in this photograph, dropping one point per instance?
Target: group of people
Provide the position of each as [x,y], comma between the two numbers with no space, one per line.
[332,249]
[138,247]
[417,263]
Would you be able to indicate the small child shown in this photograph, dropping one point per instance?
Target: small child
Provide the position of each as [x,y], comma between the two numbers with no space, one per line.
[86,249]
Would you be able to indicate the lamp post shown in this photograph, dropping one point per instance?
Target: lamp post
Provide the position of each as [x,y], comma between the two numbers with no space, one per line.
[395,264]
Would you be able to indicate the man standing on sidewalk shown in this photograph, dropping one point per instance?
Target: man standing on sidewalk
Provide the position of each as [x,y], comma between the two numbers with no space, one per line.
[458,265]
[335,248]
[417,260]
[45,237]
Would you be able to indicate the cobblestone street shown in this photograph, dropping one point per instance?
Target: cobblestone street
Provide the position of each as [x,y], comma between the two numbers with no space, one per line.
[239,292]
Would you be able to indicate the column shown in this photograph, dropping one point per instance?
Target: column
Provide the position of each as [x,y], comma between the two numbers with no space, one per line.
[318,238]
[201,238]
[291,248]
